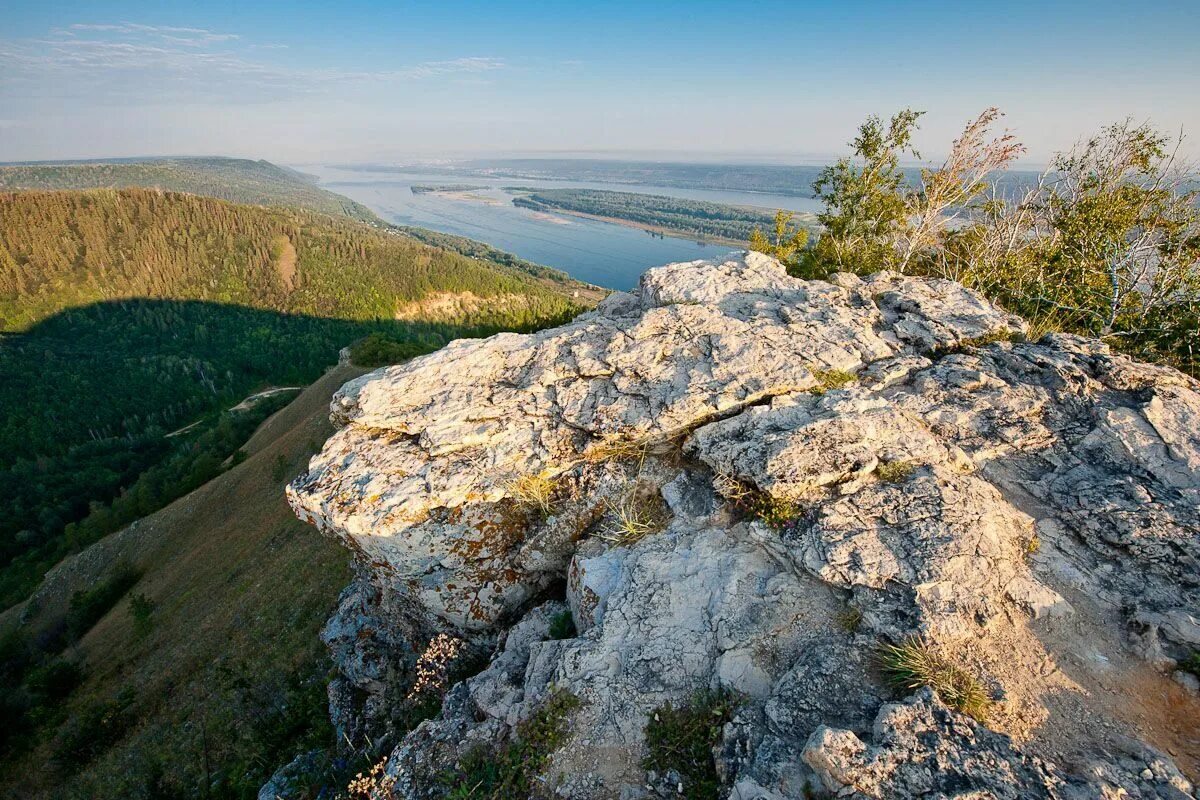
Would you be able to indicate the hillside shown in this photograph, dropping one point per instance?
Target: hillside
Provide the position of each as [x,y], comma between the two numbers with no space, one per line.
[742,535]
[225,676]
[132,313]
[237,180]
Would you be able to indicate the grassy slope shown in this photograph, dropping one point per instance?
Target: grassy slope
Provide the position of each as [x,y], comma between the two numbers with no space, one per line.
[237,180]
[238,581]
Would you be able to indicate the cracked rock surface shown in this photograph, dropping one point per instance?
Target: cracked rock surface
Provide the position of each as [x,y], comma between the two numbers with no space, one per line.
[734,479]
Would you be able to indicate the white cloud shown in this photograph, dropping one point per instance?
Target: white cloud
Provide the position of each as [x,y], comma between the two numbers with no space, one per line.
[130,62]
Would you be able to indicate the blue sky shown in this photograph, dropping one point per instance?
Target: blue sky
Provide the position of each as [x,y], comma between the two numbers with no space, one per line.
[329,81]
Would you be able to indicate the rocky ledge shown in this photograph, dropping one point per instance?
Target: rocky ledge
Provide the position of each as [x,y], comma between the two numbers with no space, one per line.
[745,486]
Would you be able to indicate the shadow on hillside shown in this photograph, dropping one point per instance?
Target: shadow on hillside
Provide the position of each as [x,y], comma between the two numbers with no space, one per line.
[87,395]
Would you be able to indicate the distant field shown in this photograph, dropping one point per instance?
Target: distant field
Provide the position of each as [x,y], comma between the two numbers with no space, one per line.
[655,212]
[234,179]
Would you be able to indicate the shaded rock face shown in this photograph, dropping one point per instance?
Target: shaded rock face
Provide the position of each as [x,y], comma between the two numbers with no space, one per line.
[733,479]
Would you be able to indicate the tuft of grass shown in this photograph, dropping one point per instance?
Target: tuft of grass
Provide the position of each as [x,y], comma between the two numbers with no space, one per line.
[562,625]
[512,770]
[535,491]
[829,379]
[616,448]
[849,619]
[682,739]
[748,501]
[894,471]
[640,512]
[915,663]
[1034,545]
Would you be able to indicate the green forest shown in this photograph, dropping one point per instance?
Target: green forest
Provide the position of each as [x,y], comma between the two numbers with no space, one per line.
[237,180]
[694,217]
[128,314]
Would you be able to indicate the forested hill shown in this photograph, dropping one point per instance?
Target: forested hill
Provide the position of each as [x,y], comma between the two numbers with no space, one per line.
[237,180]
[64,249]
[128,314]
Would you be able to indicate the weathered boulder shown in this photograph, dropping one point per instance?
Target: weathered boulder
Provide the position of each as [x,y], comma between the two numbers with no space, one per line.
[737,480]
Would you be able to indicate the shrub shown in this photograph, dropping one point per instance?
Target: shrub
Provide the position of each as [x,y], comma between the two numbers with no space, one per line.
[894,471]
[378,350]
[681,740]
[141,608]
[87,607]
[1191,663]
[511,770]
[915,663]
[279,468]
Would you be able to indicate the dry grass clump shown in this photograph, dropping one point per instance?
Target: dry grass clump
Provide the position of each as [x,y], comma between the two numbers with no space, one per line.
[535,491]
[640,512]
[616,448]
[914,663]
[894,471]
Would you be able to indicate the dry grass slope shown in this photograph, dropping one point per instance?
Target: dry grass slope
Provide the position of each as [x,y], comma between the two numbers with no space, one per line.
[236,579]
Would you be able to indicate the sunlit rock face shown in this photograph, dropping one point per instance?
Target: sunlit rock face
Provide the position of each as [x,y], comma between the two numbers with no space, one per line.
[735,479]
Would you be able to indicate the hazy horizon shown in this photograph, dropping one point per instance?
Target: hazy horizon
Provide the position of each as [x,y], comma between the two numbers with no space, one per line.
[759,83]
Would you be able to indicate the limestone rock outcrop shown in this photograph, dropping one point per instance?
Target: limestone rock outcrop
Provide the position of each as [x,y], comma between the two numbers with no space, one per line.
[736,480]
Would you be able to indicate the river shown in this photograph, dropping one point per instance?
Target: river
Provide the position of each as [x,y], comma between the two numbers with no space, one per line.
[602,253]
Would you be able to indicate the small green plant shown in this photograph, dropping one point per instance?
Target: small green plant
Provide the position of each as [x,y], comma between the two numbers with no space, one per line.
[830,379]
[681,740]
[1033,545]
[748,501]
[915,663]
[894,471]
[1191,663]
[511,771]
[141,608]
[849,619]
[562,625]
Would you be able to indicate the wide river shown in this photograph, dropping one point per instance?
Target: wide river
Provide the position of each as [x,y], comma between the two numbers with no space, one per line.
[602,253]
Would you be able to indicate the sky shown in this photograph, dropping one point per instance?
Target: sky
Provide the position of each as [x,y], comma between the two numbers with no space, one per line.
[757,81]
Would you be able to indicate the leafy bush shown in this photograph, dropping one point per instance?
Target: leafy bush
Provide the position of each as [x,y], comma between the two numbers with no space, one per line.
[380,350]
[87,607]
[141,608]
[681,740]
[915,663]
